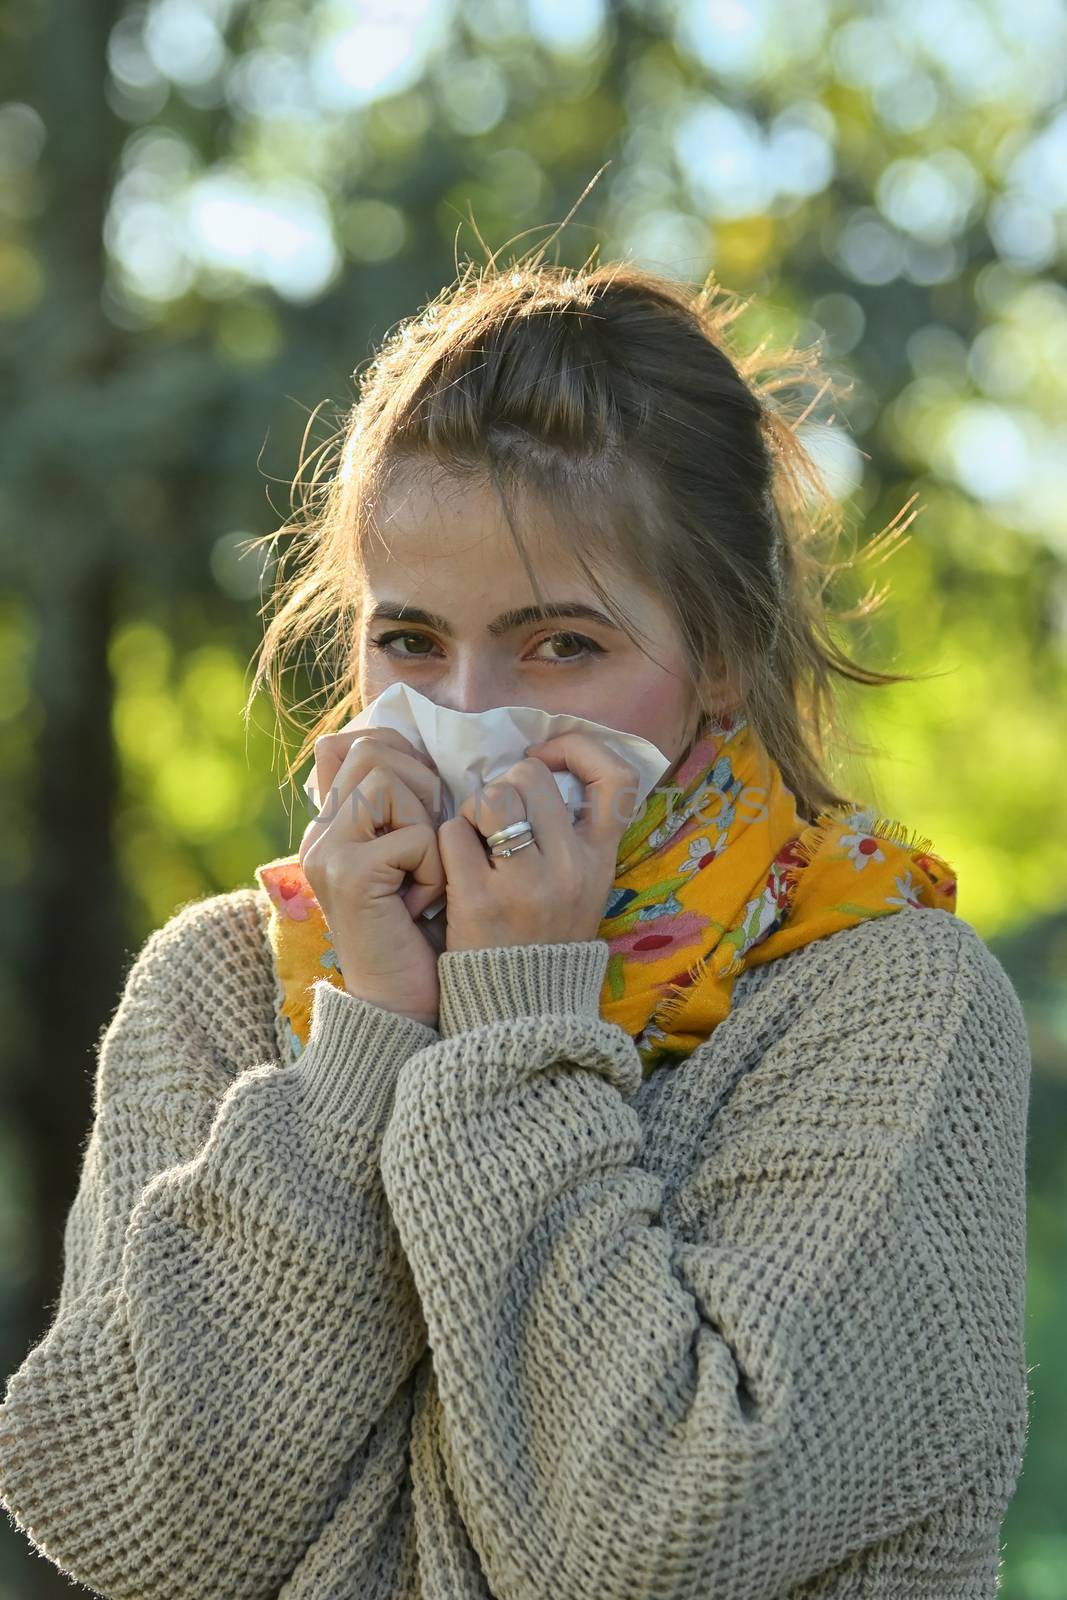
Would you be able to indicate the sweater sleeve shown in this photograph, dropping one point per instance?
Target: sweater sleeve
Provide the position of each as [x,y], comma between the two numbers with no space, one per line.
[236,1321]
[729,1389]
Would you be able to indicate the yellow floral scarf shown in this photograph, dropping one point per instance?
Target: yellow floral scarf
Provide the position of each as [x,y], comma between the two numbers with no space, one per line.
[717,872]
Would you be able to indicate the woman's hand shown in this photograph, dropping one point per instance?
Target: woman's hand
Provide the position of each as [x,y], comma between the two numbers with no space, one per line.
[553,891]
[371,857]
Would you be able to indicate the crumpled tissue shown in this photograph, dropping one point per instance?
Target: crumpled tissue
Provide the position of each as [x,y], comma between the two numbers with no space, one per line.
[470,748]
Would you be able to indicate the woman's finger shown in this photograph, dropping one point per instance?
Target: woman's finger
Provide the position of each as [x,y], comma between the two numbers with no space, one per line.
[525,792]
[390,822]
[611,783]
[332,749]
[349,789]
[363,754]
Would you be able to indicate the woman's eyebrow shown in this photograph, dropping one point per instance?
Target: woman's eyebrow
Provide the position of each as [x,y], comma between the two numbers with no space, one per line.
[387,611]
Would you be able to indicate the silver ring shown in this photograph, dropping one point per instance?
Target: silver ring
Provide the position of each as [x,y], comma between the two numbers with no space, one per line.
[504,834]
[512,830]
[496,854]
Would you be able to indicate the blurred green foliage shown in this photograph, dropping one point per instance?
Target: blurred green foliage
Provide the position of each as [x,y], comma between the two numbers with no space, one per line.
[210,212]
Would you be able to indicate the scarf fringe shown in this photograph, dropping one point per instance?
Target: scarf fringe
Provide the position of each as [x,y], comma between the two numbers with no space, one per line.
[897,833]
[804,849]
[808,844]
[679,993]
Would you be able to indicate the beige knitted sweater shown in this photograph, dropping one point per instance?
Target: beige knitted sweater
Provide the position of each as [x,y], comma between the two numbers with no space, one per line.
[480,1312]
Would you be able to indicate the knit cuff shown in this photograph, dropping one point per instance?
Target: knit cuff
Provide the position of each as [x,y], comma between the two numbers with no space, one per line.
[503,982]
[353,1053]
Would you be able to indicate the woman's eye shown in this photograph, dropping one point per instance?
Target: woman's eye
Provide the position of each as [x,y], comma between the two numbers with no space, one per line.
[586,647]
[576,642]
[386,640]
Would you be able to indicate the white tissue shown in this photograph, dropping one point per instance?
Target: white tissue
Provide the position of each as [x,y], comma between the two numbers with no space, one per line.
[470,748]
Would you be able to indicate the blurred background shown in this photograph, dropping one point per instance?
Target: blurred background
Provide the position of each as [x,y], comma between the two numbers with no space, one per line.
[210,212]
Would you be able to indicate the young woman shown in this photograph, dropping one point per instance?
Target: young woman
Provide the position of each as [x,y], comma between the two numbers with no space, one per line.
[658,1230]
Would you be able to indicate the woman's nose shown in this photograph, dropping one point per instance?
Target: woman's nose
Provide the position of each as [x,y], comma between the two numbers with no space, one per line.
[479,689]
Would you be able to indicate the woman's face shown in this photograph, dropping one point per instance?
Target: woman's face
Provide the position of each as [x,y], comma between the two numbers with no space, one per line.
[471,636]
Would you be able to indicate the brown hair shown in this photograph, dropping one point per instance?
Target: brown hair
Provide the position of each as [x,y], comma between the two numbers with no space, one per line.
[609,395]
